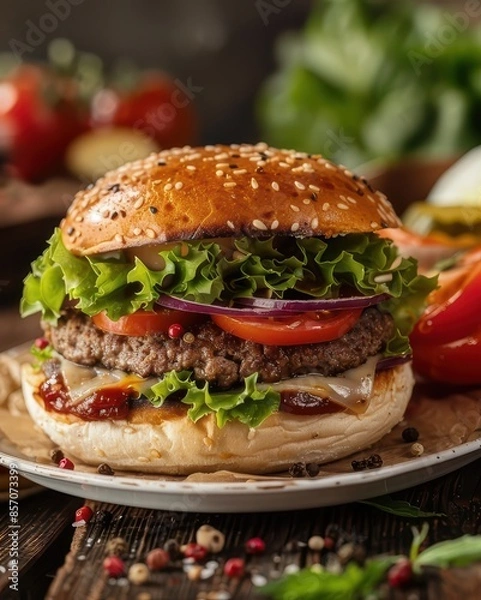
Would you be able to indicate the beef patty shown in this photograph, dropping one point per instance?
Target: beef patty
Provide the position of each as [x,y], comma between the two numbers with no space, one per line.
[214,355]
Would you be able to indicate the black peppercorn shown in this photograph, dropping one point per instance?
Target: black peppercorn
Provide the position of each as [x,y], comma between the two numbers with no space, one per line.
[313,469]
[56,455]
[298,470]
[172,547]
[359,465]
[374,461]
[105,469]
[410,435]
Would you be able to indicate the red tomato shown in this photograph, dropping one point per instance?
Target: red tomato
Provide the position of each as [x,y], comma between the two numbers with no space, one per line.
[145,322]
[446,340]
[158,107]
[305,328]
[39,117]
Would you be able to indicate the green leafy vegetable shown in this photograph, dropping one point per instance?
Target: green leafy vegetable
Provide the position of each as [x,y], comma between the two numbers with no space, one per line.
[40,355]
[400,508]
[200,271]
[354,583]
[374,78]
[460,552]
[250,405]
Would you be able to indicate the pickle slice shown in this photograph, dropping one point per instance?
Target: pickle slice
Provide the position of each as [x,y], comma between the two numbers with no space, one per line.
[454,221]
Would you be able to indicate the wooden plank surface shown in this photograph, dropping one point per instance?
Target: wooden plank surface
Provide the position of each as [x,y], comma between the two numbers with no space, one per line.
[458,496]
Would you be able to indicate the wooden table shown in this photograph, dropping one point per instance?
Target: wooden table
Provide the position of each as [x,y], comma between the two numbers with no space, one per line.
[60,562]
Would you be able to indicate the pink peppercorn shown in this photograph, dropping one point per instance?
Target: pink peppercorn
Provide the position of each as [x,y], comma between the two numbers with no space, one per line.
[157,559]
[114,566]
[66,463]
[255,545]
[175,330]
[234,567]
[195,551]
[41,343]
[84,513]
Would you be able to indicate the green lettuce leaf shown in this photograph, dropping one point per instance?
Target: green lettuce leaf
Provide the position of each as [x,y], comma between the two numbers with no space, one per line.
[249,405]
[278,267]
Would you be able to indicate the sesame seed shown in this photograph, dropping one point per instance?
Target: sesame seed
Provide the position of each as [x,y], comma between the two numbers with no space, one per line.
[222,165]
[219,173]
[275,224]
[222,156]
[118,237]
[384,278]
[138,203]
[275,186]
[259,225]
[374,225]
[179,185]
[230,224]
[230,184]
[342,206]
[168,187]
[314,223]
[325,206]
[299,185]
[306,201]
[314,188]
[150,233]
[295,208]
[295,226]
[283,164]
[351,200]
[191,167]
[347,173]
[137,231]
[328,165]
[254,183]
[240,171]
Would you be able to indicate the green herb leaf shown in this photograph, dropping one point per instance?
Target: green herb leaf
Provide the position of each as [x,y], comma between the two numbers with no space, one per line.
[459,552]
[400,508]
[40,355]
[355,582]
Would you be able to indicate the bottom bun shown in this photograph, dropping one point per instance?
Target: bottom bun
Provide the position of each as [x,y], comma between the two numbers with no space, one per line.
[177,446]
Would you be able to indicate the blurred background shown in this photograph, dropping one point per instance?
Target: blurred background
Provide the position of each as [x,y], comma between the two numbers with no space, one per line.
[389,88]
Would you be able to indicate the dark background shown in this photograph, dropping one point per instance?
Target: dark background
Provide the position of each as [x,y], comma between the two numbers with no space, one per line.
[223,46]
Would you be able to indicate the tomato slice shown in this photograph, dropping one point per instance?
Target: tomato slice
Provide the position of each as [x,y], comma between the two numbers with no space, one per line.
[145,322]
[304,328]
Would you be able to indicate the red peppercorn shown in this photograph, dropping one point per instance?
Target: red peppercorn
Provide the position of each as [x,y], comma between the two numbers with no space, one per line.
[234,567]
[114,566]
[157,559]
[41,343]
[400,574]
[329,543]
[84,513]
[66,463]
[175,330]
[195,551]
[255,545]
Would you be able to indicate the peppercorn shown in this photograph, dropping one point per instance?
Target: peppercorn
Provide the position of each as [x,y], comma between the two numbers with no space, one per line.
[255,545]
[410,434]
[41,343]
[56,455]
[374,461]
[417,449]
[114,566]
[359,465]
[138,573]
[157,559]
[117,546]
[195,551]
[400,574]
[234,567]
[172,547]
[103,517]
[83,515]
[66,463]
[105,469]
[313,469]
[175,331]
[298,470]
[210,538]
[315,543]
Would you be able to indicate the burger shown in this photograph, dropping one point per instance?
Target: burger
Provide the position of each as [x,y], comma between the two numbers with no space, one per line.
[222,307]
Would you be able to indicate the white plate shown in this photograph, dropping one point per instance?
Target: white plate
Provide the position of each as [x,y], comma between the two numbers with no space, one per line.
[266,495]
[449,424]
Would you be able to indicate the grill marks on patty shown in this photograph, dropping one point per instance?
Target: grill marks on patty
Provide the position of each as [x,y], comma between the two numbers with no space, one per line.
[214,355]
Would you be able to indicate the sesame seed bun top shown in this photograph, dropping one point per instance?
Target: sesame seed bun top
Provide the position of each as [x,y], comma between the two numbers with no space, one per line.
[222,191]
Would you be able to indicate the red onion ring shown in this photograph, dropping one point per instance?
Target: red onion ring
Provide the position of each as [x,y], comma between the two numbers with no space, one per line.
[313,304]
[216,309]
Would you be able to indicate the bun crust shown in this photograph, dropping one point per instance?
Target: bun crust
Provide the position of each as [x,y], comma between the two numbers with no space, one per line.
[222,191]
[177,446]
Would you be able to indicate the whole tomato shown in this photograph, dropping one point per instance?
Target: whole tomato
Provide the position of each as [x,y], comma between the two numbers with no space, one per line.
[158,106]
[39,116]
[446,340]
